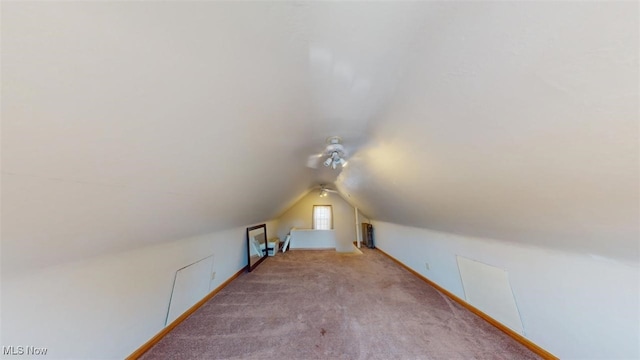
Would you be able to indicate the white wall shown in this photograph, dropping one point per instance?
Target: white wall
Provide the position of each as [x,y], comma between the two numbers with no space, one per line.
[106,307]
[314,239]
[120,145]
[574,306]
[511,120]
[300,215]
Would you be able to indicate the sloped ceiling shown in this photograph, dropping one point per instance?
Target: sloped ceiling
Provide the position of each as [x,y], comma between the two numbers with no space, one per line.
[130,123]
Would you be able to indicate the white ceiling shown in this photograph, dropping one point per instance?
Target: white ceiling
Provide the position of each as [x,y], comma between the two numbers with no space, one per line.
[129,123]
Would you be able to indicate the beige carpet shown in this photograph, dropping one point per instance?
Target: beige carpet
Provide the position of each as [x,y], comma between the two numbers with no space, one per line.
[323,305]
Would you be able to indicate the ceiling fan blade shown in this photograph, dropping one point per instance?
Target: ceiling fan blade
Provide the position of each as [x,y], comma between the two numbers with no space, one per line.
[313,161]
[324,187]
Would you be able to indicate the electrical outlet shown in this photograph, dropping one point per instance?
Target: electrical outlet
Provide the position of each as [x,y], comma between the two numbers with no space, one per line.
[427,266]
[213,275]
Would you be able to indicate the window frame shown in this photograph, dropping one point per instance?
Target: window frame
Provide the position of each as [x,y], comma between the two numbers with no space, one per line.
[313,217]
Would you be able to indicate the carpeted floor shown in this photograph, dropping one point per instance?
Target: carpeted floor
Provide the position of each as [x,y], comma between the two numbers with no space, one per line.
[325,305]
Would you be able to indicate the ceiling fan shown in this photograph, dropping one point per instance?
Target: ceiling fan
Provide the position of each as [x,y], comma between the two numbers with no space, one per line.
[333,153]
[324,191]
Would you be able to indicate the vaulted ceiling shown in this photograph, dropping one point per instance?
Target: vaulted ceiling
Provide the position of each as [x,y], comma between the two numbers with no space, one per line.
[131,123]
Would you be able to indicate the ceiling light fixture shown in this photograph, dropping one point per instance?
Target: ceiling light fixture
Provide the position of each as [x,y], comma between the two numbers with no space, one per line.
[324,192]
[334,155]
[335,158]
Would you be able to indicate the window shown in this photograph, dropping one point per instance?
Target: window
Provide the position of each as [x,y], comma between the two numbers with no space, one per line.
[322,219]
